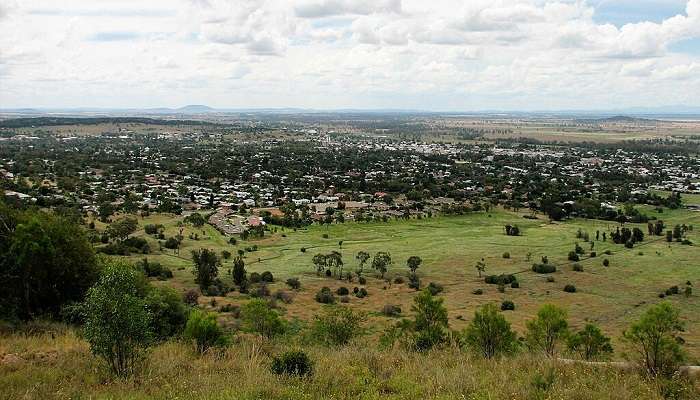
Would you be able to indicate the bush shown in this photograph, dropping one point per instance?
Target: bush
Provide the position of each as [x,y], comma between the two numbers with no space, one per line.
[294,283]
[231,308]
[284,296]
[398,280]
[344,299]
[656,341]
[169,314]
[570,288]
[573,256]
[342,291]
[515,285]
[594,254]
[606,262]
[504,279]
[506,255]
[550,279]
[337,325]
[117,322]
[547,329]
[267,277]
[292,363]
[255,277]
[590,343]
[325,296]
[434,288]
[688,291]
[362,293]
[478,292]
[489,333]
[414,282]
[362,280]
[578,267]
[672,290]
[172,243]
[391,310]
[544,268]
[190,297]
[258,317]
[203,330]
[507,305]
[261,291]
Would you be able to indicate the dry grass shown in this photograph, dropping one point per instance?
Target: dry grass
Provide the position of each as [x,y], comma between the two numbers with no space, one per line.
[358,371]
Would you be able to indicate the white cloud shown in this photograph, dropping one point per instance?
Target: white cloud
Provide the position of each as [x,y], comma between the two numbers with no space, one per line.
[340,53]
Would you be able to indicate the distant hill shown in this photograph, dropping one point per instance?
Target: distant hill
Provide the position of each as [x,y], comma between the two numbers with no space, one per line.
[195,109]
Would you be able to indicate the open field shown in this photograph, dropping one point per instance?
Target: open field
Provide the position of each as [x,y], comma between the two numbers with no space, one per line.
[450,247]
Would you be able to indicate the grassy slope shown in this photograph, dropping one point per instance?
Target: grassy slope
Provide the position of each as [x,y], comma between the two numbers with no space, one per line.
[61,367]
[450,247]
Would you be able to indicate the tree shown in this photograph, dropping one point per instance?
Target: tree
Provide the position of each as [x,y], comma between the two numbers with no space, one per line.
[117,323]
[361,257]
[431,321]
[206,267]
[381,262]
[335,260]
[121,229]
[590,343]
[655,339]
[480,266]
[413,263]
[545,331]
[196,219]
[337,325]
[489,333]
[47,262]
[105,210]
[203,330]
[258,317]
[320,262]
[238,273]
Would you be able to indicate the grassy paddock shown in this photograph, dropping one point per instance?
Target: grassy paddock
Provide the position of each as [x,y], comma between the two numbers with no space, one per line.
[58,367]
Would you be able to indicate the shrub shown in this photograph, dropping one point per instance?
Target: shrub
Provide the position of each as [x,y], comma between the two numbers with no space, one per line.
[489,333]
[337,325]
[434,288]
[506,255]
[478,292]
[544,268]
[342,291]
[344,299]
[550,279]
[203,330]
[414,282]
[672,290]
[169,314]
[573,256]
[504,279]
[171,243]
[398,280]
[117,323]
[594,254]
[294,283]
[362,293]
[267,277]
[325,296]
[391,310]
[578,267]
[231,308]
[606,262]
[507,305]
[260,318]
[255,277]
[515,285]
[190,297]
[362,280]
[284,296]
[547,329]
[570,288]
[590,343]
[292,363]
[655,340]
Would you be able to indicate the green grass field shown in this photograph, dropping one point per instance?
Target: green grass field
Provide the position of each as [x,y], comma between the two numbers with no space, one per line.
[450,247]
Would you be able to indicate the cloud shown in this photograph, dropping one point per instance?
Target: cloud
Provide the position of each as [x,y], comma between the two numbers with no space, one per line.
[114,36]
[328,8]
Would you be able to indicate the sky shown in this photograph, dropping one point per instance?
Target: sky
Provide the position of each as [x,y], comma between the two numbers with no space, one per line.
[442,55]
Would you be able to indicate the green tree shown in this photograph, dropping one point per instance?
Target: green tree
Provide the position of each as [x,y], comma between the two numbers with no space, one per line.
[413,263]
[196,219]
[117,322]
[480,266]
[105,210]
[655,339]
[121,229]
[238,273]
[203,330]
[545,331]
[337,325]
[361,257]
[206,267]
[590,343]
[430,325]
[321,263]
[381,262]
[258,317]
[47,262]
[168,311]
[489,333]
